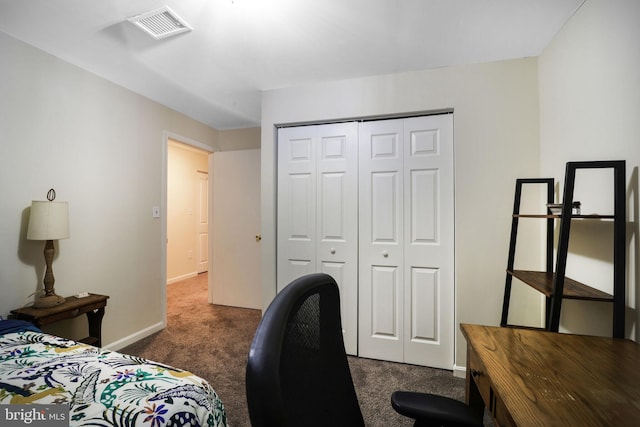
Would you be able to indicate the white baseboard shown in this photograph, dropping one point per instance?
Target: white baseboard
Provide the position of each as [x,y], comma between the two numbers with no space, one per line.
[459,371]
[137,336]
[182,277]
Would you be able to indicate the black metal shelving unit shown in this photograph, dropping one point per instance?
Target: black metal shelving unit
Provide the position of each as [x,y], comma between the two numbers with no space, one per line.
[554,283]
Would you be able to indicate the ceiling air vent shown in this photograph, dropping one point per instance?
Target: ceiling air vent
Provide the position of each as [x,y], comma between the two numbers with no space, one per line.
[160,23]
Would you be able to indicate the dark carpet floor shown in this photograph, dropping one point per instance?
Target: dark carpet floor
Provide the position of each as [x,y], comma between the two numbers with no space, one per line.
[213,341]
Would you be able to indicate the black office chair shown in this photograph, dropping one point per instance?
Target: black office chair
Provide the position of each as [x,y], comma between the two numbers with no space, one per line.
[431,410]
[298,374]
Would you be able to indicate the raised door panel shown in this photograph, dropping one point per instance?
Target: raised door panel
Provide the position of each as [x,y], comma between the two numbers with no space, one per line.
[381,270]
[428,241]
[424,286]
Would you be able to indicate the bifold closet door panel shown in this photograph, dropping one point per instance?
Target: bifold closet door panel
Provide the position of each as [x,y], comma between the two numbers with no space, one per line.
[296,234]
[406,240]
[318,211]
[429,241]
[381,296]
[337,216]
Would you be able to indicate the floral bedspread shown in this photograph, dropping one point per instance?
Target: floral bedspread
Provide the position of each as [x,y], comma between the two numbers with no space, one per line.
[101,387]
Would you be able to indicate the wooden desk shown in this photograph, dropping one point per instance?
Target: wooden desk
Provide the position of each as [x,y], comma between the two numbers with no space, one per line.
[537,378]
[93,306]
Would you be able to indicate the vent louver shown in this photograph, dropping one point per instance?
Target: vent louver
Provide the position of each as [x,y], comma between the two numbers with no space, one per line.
[160,23]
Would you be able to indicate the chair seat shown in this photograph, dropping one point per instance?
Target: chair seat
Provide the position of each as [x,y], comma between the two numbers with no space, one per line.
[433,410]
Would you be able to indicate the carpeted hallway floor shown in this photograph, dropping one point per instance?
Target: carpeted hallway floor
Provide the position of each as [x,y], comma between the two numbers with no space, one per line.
[213,341]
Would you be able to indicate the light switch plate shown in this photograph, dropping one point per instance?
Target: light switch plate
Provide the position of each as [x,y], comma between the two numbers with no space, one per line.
[156,211]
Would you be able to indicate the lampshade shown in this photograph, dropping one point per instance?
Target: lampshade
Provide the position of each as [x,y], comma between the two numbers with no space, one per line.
[48,221]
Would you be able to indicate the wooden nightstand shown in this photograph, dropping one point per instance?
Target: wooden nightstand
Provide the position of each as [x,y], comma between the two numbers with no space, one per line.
[93,306]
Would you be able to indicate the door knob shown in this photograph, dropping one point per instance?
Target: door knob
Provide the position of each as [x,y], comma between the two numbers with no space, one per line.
[385,254]
[332,250]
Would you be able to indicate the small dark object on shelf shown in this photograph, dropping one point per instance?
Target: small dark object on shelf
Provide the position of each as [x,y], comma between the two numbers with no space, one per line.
[556,208]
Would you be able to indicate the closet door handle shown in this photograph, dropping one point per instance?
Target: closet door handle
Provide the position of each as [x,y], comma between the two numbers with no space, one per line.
[332,250]
[385,254]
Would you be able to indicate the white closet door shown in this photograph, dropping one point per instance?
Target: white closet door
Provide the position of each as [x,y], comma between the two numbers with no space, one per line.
[337,204]
[406,240]
[381,240]
[318,210]
[296,204]
[429,241]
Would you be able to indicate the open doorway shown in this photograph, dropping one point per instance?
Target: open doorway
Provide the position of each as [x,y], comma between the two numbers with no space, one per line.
[233,262]
[190,253]
[187,211]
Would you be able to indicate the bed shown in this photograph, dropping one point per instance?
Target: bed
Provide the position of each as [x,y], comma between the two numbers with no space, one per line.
[101,387]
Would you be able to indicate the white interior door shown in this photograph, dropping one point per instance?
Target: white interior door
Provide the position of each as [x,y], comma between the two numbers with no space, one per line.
[235,275]
[337,248]
[406,298]
[203,222]
[372,205]
[317,207]
[296,241]
[381,240]
[429,241]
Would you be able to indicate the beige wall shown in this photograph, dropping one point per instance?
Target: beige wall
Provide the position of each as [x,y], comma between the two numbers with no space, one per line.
[102,148]
[239,139]
[183,164]
[496,140]
[589,110]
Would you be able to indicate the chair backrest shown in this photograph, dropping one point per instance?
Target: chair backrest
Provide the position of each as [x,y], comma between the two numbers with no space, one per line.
[297,372]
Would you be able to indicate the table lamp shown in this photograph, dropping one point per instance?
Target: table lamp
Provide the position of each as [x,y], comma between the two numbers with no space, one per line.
[48,221]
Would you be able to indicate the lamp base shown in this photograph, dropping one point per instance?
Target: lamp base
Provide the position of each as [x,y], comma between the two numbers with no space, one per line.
[48,301]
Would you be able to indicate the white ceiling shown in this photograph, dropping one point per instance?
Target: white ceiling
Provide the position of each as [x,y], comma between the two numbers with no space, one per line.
[239,48]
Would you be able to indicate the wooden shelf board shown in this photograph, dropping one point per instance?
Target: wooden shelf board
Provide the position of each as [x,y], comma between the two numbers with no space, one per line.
[543,282]
[560,216]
